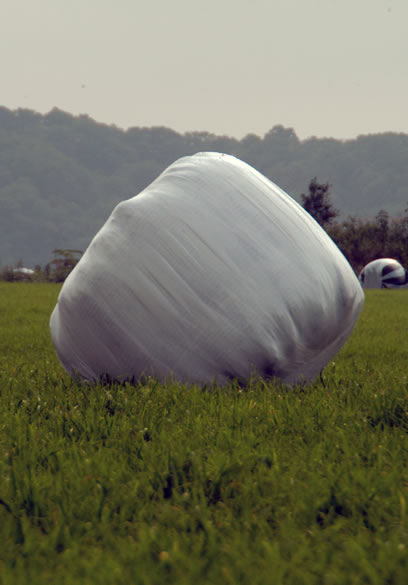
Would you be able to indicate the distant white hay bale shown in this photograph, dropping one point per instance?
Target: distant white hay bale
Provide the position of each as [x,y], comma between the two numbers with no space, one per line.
[25,271]
[211,273]
[383,273]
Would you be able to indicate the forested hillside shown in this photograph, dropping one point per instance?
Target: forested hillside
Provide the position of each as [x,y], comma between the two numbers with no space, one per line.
[61,175]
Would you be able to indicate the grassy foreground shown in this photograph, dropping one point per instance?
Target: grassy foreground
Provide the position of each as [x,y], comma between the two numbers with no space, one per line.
[165,484]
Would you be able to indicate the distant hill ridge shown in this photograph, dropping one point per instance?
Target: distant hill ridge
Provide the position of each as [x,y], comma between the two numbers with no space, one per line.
[62,175]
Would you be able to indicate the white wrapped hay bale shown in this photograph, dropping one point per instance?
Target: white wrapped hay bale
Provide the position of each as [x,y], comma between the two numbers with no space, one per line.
[383,273]
[211,273]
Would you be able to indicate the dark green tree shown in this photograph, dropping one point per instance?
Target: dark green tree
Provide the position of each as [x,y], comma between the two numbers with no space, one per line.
[318,203]
[62,264]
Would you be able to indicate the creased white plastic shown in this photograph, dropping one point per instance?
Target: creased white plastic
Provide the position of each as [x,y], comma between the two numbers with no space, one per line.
[211,273]
[372,275]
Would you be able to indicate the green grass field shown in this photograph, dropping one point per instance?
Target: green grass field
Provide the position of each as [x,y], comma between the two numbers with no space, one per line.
[161,484]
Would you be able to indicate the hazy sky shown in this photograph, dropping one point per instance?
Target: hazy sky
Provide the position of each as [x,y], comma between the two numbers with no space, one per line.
[322,67]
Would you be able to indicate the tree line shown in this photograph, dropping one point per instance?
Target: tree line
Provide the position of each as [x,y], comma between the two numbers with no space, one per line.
[361,241]
[57,270]
[62,175]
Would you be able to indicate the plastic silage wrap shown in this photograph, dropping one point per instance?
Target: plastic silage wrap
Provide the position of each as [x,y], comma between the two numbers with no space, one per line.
[383,273]
[211,273]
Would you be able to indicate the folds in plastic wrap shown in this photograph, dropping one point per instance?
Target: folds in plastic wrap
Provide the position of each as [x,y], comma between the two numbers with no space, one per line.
[211,273]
